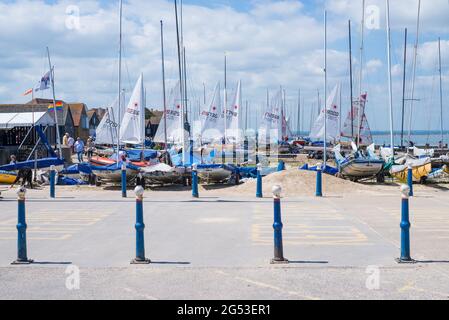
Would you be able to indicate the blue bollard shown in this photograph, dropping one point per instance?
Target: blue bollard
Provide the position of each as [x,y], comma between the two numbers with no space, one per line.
[277,226]
[195,192]
[410,179]
[124,182]
[319,181]
[140,228]
[281,166]
[259,193]
[191,151]
[405,227]
[52,182]
[22,257]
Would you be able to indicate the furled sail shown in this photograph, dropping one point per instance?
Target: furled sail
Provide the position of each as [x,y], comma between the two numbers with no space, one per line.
[332,119]
[132,129]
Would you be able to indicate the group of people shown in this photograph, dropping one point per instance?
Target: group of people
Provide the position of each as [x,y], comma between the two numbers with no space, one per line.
[79,147]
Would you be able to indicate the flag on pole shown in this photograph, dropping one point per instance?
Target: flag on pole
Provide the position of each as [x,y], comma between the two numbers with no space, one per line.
[44,83]
[59,106]
[28,92]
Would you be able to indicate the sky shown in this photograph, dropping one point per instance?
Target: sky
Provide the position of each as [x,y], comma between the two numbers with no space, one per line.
[268,44]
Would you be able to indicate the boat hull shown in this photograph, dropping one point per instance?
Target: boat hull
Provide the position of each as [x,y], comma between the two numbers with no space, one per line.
[419,172]
[214,174]
[7,177]
[114,175]
[360,169]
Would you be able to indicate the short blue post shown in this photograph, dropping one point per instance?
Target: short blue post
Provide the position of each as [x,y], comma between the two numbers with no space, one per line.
[124,182]
[191,151]
[410,179]
[277,226]
[195,192]
[257,148]
[405,227]
[140,228]
[281,166]
[319,180]
[22,257]
[52,182]
[259,193]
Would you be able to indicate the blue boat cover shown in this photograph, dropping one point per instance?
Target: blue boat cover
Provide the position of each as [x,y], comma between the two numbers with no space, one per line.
[77,169]
[40,164]
[329,170]
[114,167]
[65,181]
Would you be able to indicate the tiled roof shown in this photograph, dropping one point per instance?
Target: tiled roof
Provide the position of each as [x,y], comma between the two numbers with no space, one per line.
[77,110]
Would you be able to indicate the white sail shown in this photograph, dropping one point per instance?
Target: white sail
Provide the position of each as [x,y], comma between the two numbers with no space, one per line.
[332,119]
[271,126]
[132,129]
[233,116]
[212,118]
[350,126]
[107,130]
[173,118]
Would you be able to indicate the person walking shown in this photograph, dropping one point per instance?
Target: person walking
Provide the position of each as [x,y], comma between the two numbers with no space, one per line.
[90,145]
[65,140]
[79,149]
[71,143]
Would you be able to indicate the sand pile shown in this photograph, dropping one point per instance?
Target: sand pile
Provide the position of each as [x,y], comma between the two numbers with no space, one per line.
[296,182]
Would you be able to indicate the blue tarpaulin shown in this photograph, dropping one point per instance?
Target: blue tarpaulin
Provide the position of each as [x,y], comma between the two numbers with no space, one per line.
[329,170]
[40,164]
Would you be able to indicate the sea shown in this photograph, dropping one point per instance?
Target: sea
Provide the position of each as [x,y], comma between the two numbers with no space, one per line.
[419,138]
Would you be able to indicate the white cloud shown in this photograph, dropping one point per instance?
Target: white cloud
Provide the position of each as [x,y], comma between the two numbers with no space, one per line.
[274,43]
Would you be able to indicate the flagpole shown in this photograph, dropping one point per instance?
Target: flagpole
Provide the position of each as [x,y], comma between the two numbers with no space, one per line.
[119,81]
[390,85]
[325,89]
[54,104]
[163,85]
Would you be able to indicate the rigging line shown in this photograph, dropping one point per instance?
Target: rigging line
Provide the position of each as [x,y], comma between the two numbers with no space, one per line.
[414,72]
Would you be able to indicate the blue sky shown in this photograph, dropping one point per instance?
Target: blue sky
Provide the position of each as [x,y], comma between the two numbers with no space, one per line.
[269,43]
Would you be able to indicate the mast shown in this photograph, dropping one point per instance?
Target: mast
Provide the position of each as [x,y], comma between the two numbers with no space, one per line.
[415,62]
[359,116]
[225,98]
[403,89]
[325,89]
[351,81]
[119,78]
[390,86]
[184,145]
[246,117]
[299,113]
[58,137]
[164,96]
[187,125]
[441,92]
